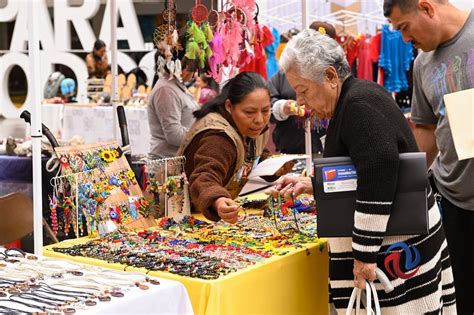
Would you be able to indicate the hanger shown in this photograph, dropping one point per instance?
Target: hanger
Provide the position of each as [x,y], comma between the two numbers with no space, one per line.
[342,34]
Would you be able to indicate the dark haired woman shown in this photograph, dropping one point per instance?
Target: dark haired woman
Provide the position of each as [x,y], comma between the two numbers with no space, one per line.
[170,105]
[97,62]
[207,92]
[224,143]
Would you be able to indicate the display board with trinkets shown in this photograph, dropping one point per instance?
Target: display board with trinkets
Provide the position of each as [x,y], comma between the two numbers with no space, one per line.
[96,192]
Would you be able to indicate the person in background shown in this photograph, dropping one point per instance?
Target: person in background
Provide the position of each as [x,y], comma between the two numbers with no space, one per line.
[445,34]
[227,139]
[171,106]
[367,125]
[97,62]
[288,134]
[205,84]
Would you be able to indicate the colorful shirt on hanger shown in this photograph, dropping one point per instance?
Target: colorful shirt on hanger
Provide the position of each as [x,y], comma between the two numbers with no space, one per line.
[270,50]
[259,64]
[375,45]
[350,44]
[395,59]
[364,62]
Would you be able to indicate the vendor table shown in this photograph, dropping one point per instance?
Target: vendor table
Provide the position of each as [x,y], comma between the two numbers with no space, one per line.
[95,124]
[169,297]
[295,283]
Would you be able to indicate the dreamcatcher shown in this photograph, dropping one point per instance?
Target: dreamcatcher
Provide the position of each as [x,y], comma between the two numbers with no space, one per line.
[199,34]
[199,13]
[166,38]
[213,17]
[234,28]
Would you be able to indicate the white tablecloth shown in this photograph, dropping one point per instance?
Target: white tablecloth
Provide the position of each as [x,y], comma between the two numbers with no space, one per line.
[95,124]
[169,297]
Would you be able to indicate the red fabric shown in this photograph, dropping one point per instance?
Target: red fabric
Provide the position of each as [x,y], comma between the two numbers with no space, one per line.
[267,38]
[375,45]
[381,77]
[350,45]
[259,64]
[14,244]
[352,51]
[364,62]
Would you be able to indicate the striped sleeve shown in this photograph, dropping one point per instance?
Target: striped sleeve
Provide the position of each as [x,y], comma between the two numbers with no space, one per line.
[373,149]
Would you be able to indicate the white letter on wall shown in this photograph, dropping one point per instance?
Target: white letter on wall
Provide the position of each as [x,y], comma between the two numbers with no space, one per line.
[79,17]
[8,13]
[147,64]
[130,30]
[7,62]
[20,32]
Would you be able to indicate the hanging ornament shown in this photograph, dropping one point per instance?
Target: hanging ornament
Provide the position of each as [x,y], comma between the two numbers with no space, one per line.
[199,13]
[213,17]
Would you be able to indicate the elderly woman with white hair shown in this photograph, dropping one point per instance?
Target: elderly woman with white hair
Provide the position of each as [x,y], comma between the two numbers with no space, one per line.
[367,126]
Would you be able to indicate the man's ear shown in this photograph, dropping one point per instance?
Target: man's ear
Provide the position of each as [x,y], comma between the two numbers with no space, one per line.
[426,7]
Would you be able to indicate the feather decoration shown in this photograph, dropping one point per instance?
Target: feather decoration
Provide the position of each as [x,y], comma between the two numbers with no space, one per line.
[178,70]
[206,28]
[235,39]
[161,65]
[192,50]
[218,55]
[174,38]
[257,41]
[196,34]
[170,66]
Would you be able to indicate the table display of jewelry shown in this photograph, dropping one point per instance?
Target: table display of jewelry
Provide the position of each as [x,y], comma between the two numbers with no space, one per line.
[97,191]
[203,250]
[29,283]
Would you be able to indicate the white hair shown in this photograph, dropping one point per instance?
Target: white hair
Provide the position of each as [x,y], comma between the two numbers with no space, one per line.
[310,53]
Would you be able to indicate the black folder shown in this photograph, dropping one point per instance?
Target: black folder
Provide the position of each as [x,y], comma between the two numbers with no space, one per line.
[335,196]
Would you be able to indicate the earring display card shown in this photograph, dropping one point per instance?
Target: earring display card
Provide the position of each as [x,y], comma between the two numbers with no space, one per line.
[103,190]
[167,182]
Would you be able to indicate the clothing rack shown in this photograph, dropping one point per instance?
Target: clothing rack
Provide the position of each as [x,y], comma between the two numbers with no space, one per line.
[348,18]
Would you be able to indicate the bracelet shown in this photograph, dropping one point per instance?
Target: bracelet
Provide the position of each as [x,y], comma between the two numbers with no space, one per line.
[19,252]
[50,272]
[33,306]
[35,294]
[9,310]
[43,287]
[65,283]
[50,263]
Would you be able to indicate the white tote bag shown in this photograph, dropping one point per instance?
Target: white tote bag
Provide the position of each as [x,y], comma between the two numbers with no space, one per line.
[370,292]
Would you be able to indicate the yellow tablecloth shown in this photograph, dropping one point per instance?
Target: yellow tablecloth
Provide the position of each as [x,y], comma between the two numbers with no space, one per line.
[296,283]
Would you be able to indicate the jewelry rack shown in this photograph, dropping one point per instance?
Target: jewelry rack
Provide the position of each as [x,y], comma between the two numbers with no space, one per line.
[68,177]
[166,173]
[113,188]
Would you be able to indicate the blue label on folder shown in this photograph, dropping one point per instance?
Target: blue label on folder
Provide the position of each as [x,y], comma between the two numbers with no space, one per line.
[339,178]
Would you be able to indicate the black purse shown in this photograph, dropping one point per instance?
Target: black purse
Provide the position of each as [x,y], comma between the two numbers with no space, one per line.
[335,185]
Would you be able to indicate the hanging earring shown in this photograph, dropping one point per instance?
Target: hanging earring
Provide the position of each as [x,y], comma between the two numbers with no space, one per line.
[53,204]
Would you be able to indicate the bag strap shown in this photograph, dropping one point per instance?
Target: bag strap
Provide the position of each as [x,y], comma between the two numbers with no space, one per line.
[369,291]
